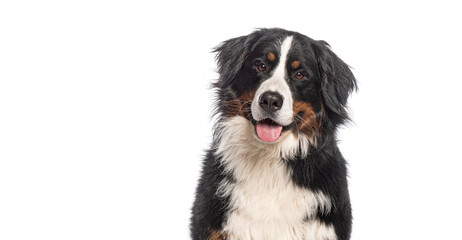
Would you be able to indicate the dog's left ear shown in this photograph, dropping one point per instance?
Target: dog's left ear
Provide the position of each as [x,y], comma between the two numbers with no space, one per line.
[337,79]
[231,54]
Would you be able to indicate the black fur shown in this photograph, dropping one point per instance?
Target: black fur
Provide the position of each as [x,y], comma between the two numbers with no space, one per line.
[327,89]
[208,210]
[337,80]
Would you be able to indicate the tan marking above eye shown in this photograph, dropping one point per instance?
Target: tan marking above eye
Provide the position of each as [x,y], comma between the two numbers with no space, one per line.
[271,56]
[295,64]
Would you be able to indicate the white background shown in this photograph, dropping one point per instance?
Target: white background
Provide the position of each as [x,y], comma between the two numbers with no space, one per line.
[105,112]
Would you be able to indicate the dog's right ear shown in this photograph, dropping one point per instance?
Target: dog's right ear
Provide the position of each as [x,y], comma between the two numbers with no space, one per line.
[231,54]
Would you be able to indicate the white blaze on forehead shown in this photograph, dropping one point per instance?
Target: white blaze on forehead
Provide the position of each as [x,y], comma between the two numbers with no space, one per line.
[280,71]
[277,83]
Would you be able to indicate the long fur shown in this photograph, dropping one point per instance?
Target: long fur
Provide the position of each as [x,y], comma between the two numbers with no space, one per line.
[296,187]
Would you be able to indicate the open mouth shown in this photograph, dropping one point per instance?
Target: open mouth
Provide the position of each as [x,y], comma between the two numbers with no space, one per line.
[268,130]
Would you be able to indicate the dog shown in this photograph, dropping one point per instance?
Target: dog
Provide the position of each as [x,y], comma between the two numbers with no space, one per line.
[274,170]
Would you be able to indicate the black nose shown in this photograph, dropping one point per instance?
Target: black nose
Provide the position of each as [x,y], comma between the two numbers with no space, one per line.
[271,101]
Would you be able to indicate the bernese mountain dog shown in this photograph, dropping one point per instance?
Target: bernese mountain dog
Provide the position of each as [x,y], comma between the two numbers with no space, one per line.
[274,170]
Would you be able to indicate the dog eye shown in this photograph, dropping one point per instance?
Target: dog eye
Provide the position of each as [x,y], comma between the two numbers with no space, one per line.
[261,67]
[300,75]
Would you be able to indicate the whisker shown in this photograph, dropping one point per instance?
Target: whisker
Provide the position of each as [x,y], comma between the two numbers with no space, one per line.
[310,124]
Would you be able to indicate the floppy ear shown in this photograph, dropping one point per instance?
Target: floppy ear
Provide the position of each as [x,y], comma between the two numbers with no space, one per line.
[230,57]
[337,79]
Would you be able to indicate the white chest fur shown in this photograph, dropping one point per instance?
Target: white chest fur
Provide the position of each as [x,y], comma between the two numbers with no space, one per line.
[264,202]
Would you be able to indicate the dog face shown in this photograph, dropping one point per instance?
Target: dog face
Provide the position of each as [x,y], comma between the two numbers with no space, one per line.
[283,81]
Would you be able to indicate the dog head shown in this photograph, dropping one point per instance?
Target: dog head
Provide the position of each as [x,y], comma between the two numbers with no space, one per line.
[283,81]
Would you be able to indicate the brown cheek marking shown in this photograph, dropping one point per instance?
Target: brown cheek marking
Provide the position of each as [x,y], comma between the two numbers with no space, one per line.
[240,106]
[295,64]
[215,235]
[309,124]
[271,56]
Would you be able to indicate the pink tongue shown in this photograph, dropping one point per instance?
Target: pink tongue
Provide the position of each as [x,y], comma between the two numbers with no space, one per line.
[267,132]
